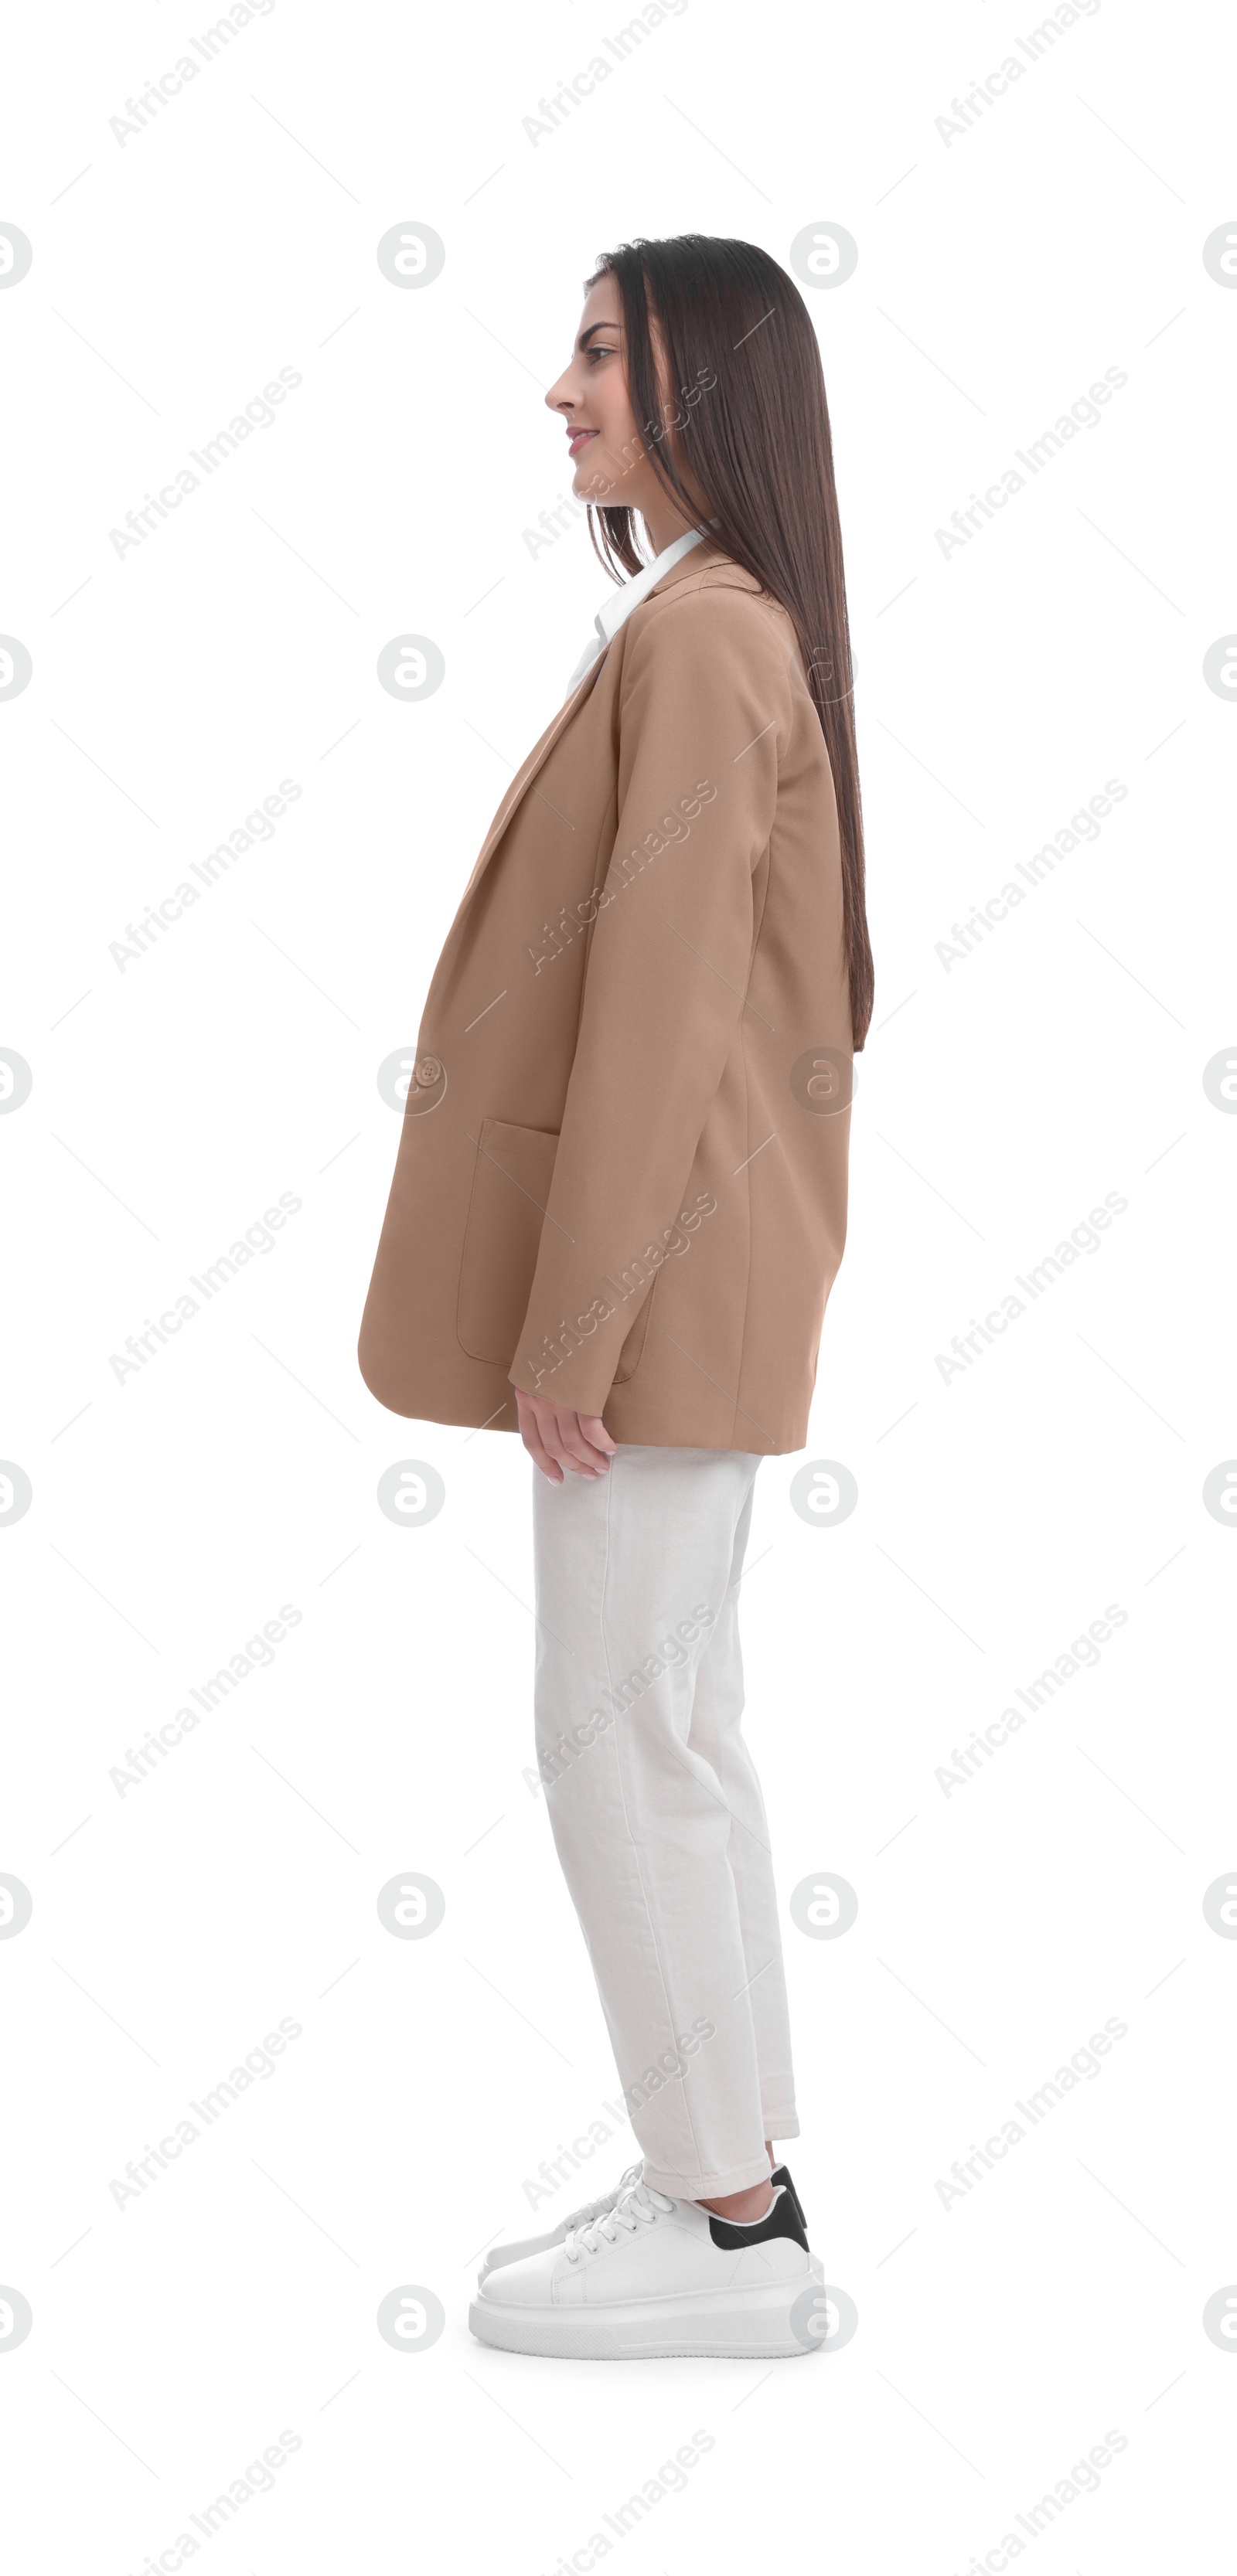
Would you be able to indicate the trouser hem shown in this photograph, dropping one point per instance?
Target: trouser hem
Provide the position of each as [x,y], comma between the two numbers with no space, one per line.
[707,2186]
[781,2124]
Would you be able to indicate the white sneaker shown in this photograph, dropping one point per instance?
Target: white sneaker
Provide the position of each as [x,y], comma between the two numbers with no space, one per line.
[655,2276]
[516,2251]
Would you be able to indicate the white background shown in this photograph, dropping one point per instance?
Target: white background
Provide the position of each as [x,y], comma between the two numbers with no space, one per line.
[1000,273]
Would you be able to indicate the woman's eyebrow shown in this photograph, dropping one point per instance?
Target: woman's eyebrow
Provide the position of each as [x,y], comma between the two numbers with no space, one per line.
[586,336]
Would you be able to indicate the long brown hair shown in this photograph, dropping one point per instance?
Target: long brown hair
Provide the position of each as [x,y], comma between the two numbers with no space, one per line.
[736,337]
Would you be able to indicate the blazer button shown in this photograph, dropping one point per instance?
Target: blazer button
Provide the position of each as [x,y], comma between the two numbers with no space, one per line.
[427,1087]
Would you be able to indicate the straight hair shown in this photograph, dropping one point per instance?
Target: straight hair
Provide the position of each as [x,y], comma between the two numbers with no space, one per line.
[749,423]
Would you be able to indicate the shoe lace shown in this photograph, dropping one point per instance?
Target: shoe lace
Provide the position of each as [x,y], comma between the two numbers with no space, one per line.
[639,2207]
[605,2200]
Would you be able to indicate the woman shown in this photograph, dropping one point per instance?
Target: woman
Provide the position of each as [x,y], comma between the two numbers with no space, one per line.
[617,1211]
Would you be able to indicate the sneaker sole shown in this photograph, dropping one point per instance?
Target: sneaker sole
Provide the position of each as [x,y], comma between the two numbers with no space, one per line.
[717,2325]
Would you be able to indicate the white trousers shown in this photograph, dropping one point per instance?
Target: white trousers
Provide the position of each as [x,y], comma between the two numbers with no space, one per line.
[655,1807]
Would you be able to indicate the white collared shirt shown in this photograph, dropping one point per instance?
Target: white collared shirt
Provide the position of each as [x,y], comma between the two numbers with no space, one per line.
[621,602]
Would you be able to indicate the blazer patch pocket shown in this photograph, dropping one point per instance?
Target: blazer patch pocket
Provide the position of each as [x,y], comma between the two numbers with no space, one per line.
[510,1188]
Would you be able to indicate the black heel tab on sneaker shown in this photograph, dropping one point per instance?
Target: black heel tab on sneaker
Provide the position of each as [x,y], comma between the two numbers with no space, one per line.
[781,2220]
[781,2173]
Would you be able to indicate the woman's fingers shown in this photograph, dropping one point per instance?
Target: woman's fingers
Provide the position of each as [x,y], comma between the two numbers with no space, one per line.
[541,1456]
[596,1434]
[570,1445]
[561,1441]
[530,1433]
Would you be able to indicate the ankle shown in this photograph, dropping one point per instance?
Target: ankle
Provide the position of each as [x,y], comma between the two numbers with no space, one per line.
[743,2206]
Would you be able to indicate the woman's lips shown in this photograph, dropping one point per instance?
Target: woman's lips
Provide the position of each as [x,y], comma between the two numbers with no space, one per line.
[576,439]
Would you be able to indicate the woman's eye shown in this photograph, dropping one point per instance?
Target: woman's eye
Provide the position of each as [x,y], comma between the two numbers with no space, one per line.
[596,352]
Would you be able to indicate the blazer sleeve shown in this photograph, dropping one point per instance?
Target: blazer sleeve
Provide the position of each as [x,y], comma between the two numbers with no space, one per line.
[704,709]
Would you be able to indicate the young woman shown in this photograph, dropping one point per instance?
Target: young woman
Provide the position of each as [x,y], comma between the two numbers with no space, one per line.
[618,1208]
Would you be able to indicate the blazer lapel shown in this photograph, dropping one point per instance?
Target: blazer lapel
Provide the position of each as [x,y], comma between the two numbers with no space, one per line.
[698,560]
[525,775]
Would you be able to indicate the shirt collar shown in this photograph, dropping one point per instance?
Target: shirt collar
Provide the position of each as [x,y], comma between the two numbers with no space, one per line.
[615,610]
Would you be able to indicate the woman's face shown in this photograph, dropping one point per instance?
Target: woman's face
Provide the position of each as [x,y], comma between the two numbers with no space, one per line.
[611,464]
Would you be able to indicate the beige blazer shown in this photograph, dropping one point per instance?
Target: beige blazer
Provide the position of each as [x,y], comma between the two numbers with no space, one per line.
[621,1177]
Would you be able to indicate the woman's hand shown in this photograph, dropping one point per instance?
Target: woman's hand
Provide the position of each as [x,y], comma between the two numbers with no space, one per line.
[560,1441]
